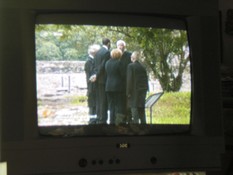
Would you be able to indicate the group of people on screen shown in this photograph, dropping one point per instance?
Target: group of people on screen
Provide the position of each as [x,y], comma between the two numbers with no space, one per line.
[116,82]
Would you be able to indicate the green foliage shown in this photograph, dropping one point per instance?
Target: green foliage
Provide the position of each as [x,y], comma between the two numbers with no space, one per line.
[48,51]
[172,108]
[71,54]
[164,51]
[79,100]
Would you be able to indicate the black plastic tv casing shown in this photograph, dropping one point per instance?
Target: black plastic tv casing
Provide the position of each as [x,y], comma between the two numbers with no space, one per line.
[26,152]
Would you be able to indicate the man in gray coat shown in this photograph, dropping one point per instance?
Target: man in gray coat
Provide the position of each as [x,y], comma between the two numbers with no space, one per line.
[137,87]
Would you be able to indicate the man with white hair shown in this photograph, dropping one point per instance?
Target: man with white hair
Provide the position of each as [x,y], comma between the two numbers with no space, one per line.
[124,61]
[137,87]
[91,89]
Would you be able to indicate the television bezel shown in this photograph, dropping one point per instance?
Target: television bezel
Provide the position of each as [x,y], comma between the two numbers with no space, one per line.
[121,20]
[23,146]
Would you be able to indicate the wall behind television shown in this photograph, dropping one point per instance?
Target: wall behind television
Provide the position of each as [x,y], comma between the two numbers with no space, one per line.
[227,39]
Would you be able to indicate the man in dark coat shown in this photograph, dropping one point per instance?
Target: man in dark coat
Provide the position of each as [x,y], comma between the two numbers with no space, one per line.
[114,87]
[89,71]
[125,60]
[137,87]
[101,57]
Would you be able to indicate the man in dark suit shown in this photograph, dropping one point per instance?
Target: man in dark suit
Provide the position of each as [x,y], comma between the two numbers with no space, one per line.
[91,89]
[137,87]
[101,57]
[125,60]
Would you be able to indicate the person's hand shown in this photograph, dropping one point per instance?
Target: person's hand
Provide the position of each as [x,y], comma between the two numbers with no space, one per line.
[92,78]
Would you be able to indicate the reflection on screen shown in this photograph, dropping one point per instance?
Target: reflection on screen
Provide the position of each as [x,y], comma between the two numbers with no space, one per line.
[66,65]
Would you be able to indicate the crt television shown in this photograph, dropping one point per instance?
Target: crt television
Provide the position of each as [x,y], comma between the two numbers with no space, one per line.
[28,147]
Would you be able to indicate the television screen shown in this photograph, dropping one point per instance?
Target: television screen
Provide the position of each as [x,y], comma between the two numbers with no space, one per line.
[68,101]
[50,126]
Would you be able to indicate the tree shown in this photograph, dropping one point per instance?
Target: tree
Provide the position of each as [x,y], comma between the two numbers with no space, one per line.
[165,53]
[72,41]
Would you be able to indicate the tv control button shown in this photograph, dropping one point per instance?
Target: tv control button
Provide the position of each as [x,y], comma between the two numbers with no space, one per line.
[94,162]
[153,160]
[118,161]
[101,162]
[110,161]
[82,163]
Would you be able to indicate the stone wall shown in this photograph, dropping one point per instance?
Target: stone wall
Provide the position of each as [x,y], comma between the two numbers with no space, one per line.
[60,67]
[56,77]
[60,77]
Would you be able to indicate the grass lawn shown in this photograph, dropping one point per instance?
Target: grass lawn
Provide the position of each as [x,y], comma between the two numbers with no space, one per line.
[171,108]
